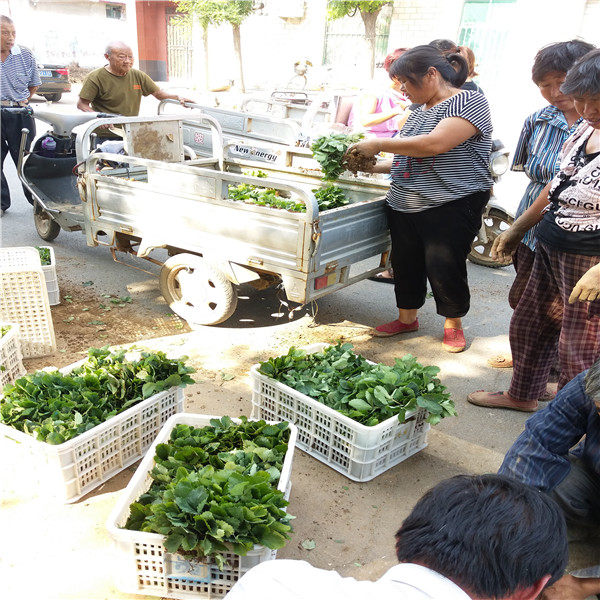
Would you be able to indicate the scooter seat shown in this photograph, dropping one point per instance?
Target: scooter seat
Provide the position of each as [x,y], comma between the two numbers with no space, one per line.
[62,124]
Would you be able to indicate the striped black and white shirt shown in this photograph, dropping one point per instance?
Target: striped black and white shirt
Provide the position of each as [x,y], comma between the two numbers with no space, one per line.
[422,183]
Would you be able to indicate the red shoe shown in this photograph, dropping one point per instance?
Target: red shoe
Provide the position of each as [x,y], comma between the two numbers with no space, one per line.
[395,327]
[454,340]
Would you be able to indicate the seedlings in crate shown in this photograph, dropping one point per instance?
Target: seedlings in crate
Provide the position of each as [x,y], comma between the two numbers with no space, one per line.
[52,406]
[44,256]
[368,393]
[214,489]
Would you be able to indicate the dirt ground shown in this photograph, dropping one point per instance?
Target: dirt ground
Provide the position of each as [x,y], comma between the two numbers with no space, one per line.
[352,524]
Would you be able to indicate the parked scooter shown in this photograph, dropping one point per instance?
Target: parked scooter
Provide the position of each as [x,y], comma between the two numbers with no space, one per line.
[52,157]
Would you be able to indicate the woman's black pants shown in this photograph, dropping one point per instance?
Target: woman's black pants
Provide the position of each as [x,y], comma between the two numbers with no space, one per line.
[433,245]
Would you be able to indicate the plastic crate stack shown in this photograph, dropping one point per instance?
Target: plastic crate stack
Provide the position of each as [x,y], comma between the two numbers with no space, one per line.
[24,300]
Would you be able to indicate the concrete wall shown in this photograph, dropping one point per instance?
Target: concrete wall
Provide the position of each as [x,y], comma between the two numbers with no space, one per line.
[62,32]
[416,22]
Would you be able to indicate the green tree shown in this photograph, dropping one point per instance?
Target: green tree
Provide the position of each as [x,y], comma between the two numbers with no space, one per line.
[369,11]
[234,12]
[207,12]
[215,12]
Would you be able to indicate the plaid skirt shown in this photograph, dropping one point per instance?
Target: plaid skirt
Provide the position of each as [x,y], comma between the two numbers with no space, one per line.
[545,326]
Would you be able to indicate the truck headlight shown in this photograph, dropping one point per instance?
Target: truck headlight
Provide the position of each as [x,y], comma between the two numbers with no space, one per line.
[498,163]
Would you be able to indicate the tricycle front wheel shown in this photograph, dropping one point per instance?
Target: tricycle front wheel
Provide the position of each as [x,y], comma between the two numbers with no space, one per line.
[196,291]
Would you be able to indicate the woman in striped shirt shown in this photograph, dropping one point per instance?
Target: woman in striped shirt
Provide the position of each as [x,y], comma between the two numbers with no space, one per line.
[440,185]
[537,154]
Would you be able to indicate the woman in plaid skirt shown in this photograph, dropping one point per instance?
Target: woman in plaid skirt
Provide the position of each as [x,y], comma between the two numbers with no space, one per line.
[559,310]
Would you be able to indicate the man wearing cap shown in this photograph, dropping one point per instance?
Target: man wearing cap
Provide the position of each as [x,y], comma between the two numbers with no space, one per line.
[19,79]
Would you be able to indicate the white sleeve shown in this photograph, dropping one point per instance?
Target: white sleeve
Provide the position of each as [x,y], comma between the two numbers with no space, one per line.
[289,579]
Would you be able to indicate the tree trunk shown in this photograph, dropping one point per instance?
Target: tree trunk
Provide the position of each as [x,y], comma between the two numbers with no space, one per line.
[237,45]
[205,41]
[370,22]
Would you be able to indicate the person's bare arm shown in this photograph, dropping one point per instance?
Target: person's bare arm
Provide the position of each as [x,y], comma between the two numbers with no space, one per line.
[32,90]
[506,243]
[367,115]
[572,588]
[163,95]
[447,134]
[84,105]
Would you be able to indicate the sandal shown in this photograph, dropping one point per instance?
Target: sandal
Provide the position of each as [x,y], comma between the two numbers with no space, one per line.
[381,278]
[501,361]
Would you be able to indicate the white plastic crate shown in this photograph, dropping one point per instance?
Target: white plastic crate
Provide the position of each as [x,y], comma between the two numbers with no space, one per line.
[147,568]
[357,451]
[28,257]
[76,467]
[51,278]
[24,300]
[22,257]
[11,365]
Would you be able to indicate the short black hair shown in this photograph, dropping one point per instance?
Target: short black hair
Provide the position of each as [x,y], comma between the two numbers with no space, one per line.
[414,64]
[444,45]
[490,534]
[583,78]
[558,58]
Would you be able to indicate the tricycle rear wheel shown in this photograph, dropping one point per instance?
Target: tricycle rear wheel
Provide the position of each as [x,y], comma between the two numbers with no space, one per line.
[196,290]
[45,225]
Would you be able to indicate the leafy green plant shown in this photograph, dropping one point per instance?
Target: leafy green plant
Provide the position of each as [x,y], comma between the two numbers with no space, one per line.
[252,194]
[330,197]
[367,393]
[55,408]
[327,198]
[214,489]
[44,256]
[329,151]
[4,329]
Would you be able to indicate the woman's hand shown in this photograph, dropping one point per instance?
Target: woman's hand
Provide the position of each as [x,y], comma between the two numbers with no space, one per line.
[367,148]
[505,244]
[587,289]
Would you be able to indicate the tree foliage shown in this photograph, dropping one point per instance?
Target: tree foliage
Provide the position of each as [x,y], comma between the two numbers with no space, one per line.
[215,12]
[337,9]
[369,12]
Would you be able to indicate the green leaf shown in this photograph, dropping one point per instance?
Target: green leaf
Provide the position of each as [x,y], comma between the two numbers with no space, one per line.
[309,544]
[360,405]
[174,542]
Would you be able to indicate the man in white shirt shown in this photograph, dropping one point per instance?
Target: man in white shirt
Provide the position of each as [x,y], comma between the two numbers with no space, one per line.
[483,537]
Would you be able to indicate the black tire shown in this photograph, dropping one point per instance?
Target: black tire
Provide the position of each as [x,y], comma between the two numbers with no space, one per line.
[207,299]
[45,225]
[53,97]
[496,221]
